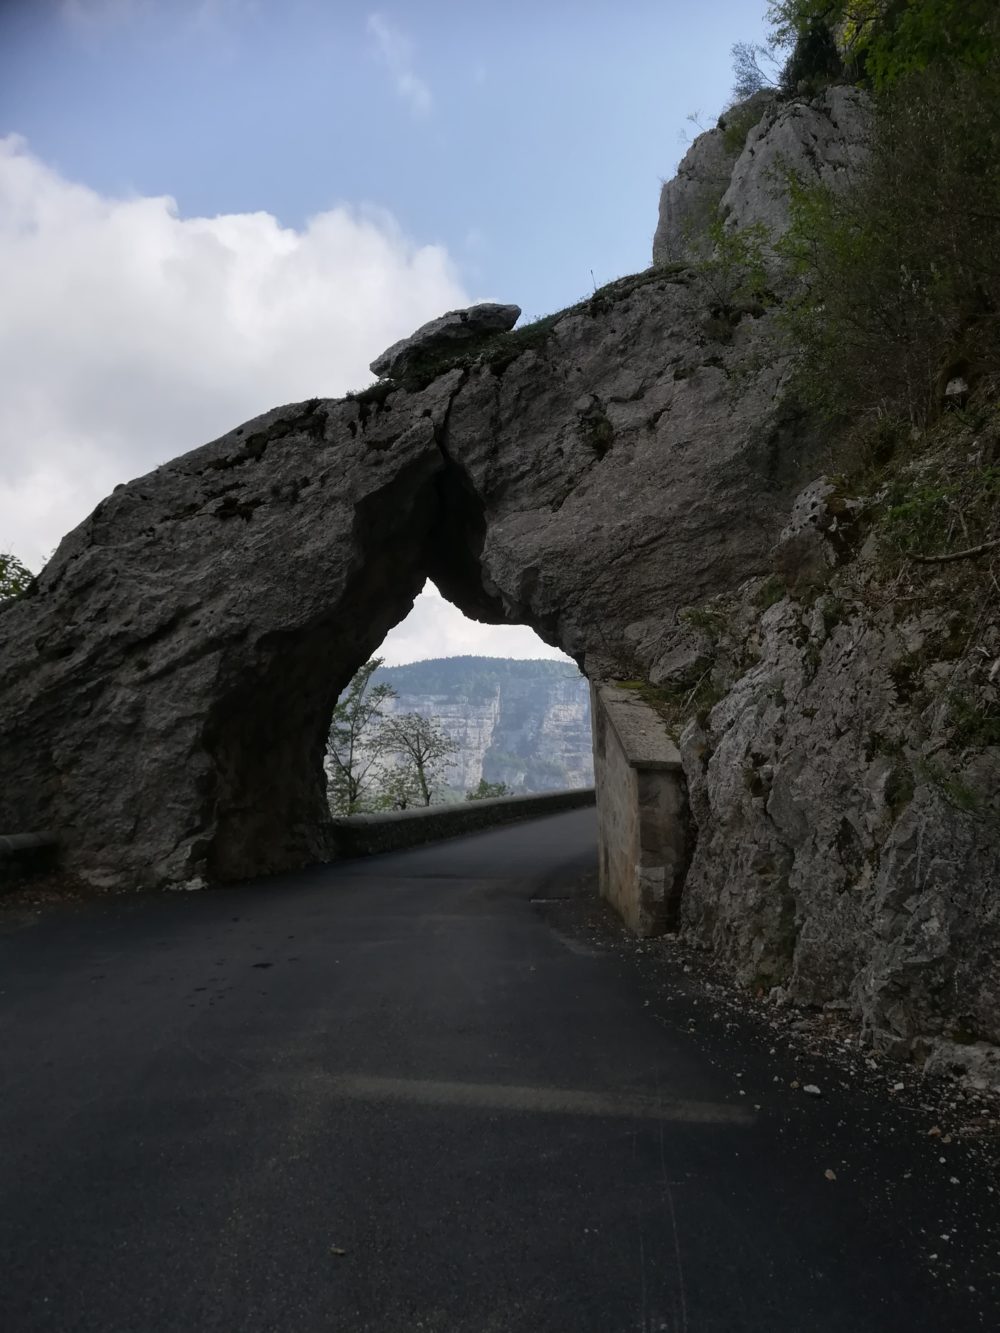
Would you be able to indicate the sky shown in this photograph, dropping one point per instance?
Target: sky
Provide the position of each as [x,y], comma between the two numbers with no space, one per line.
[209,207]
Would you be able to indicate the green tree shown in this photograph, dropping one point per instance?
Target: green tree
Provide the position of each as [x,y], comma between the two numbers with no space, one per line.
[355,743]
[898,278]
[733,274]
[790,18]
[752,69]
[14,576]
[904,39]
[421,748]
[395,788]
[488,791]
[879,41]
[808,31]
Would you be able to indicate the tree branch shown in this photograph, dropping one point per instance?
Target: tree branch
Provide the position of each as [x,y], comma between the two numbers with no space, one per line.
[970,554]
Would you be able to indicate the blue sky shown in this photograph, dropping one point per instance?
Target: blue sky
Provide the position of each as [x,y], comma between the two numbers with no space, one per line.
[210,206]
[531,143]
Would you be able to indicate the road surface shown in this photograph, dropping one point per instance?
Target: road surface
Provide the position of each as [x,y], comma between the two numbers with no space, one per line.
[404,1094]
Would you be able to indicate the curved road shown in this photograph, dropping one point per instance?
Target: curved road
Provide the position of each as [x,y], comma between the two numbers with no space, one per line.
[403,1094]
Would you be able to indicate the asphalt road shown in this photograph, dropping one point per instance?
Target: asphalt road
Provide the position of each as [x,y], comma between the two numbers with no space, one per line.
[410,1094]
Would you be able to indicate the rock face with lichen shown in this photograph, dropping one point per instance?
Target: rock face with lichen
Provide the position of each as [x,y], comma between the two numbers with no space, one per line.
[735,172]
[839,718]
[818,139]
[843,771]
[689,201]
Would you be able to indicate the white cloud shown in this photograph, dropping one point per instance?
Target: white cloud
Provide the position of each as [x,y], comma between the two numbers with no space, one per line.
[129,335]
[435,628]
[396,52]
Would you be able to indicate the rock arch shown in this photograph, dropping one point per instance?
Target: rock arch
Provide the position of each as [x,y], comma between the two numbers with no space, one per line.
[166,685]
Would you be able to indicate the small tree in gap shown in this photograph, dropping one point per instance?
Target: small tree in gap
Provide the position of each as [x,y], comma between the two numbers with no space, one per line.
[421,748]
[355,742]
[396,788]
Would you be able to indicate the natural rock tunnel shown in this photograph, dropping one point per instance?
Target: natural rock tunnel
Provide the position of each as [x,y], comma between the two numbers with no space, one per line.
[166,685]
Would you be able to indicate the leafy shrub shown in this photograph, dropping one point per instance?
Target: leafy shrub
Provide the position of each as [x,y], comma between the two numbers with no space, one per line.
[752,71]
[921,522]
[488,791]
[736,124]
[733,276]
[814,62]
[15,578]
[898,279]
[894,40]
[878,42]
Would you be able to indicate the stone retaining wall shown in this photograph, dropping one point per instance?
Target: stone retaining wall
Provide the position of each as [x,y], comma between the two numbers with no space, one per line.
[643,827]
[366,835]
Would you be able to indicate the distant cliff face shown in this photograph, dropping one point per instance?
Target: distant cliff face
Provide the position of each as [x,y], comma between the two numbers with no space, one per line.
[526,724]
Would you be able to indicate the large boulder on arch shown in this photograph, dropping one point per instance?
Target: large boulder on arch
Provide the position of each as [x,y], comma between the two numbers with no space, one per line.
[165,688]
[449,331]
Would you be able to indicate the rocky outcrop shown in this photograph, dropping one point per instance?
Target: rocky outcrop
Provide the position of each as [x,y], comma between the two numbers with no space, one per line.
[444,334]
[166,686]
[689,201]
[839,719]
[735,173]
[846,851]
[839,724]
[823,138]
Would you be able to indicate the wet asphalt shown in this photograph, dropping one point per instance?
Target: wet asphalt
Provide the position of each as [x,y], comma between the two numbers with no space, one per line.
[428,1091]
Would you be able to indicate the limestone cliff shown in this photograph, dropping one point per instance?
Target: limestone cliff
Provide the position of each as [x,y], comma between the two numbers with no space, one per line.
[843,763]
[526,724]
[734,172]
[839,720]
